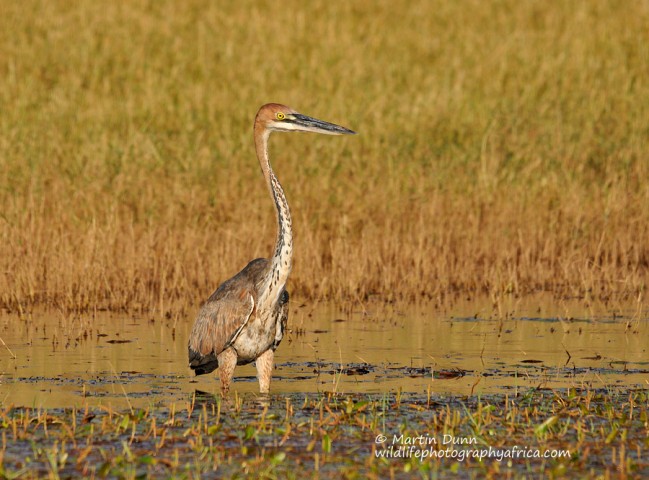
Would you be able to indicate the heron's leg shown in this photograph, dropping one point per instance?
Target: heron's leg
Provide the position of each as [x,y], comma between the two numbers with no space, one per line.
[264,364]
[227,361]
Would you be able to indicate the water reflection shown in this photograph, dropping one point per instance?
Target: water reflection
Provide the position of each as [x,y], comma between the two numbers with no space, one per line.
[107,359]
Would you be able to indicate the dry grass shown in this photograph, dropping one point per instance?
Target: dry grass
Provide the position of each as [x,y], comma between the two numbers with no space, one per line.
[503,147]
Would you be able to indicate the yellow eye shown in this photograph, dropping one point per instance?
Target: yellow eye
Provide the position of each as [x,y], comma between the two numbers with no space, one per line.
[280,116]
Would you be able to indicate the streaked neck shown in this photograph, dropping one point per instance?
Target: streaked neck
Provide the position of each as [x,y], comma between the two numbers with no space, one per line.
[282,260]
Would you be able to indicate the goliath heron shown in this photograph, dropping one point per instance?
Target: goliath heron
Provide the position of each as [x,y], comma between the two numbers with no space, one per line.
[244,320]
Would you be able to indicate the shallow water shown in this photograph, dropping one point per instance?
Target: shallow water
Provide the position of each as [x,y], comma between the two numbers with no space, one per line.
[107,359]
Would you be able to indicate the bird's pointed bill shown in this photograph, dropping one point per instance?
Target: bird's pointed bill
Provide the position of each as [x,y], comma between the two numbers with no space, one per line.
[311,124]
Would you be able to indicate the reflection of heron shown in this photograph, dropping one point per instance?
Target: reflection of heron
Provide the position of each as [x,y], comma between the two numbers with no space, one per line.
[244,319]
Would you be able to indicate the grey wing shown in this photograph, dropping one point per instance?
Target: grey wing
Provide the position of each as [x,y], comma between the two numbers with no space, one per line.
[218,324]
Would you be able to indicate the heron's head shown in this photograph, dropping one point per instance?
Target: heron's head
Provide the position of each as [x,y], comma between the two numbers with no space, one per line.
[280,118]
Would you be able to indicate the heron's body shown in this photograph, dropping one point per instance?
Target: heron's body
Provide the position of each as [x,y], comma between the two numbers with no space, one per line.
[245,318]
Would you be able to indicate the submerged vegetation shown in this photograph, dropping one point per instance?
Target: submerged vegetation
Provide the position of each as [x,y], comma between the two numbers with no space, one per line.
[560,433]
[502,148]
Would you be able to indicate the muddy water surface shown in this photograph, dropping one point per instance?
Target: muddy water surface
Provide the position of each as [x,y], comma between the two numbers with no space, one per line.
[476,347]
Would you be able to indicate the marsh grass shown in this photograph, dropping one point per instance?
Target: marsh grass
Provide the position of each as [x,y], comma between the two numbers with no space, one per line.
[604,432]
[502,148]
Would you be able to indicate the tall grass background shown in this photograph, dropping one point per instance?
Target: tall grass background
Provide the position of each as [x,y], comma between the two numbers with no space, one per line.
[502,148]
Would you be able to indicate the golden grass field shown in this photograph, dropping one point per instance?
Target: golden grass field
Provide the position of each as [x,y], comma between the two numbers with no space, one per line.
[502,147]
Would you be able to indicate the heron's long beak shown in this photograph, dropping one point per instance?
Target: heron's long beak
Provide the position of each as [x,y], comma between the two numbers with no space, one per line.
[310,124]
